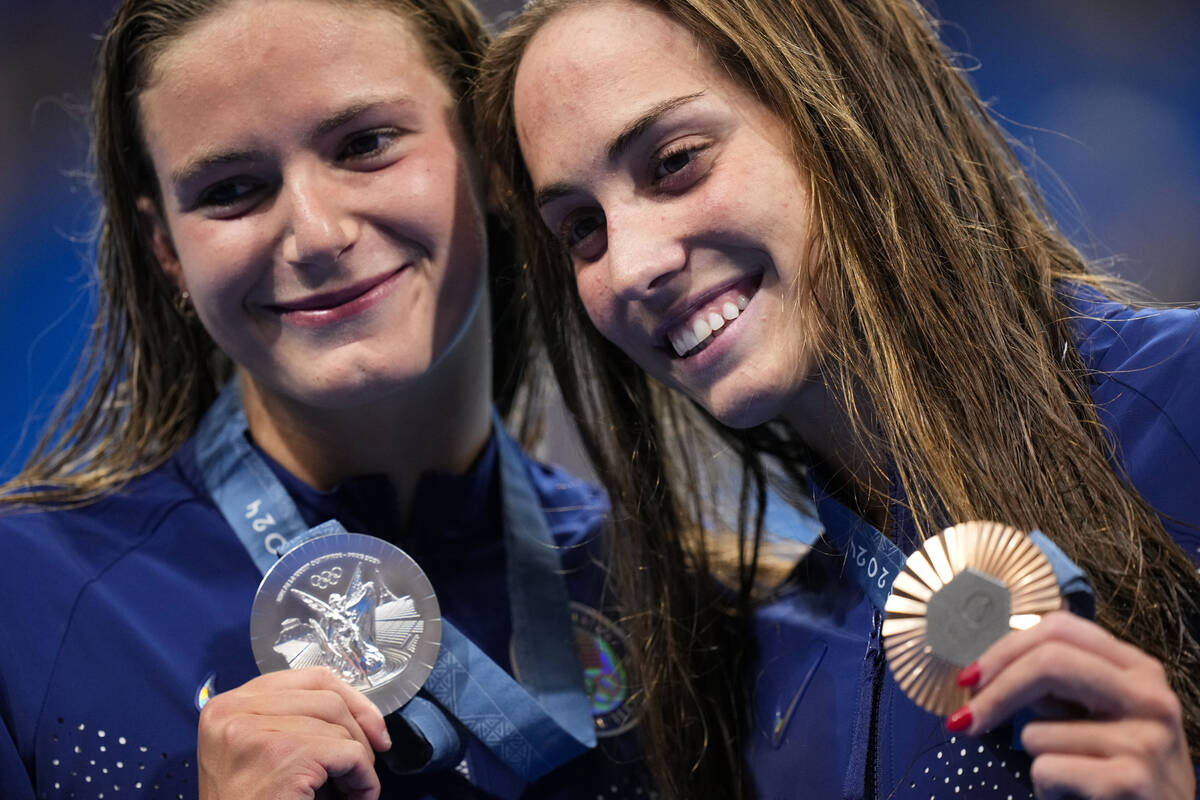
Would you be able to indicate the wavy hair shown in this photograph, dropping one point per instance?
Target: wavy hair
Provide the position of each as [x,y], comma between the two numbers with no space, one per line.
[149,370]
[939,302]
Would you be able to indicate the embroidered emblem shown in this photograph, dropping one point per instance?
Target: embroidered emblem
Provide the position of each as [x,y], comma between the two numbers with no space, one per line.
[206,691]
[603,650]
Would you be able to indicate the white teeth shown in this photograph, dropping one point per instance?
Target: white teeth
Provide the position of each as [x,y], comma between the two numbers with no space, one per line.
[687,337]
[680,345]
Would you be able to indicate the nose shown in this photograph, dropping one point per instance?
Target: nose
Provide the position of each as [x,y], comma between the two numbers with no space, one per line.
[321,228]
[644,253]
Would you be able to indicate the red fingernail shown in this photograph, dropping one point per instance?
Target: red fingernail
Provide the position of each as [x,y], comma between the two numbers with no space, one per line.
[960,720]
[968,676]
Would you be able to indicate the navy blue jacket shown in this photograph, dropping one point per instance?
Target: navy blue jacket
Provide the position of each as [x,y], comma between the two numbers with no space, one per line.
[121,616]
[830,720]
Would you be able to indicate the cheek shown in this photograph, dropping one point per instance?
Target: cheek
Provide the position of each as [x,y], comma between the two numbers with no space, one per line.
[599,301]
[216,264]
[436,203]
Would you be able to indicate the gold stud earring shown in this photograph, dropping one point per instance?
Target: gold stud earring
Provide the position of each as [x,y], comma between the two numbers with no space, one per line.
[183,304]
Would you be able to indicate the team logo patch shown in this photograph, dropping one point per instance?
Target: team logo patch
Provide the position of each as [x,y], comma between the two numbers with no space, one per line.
[206,691]
[603,650]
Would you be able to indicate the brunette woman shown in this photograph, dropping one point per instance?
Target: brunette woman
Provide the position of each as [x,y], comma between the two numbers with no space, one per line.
[799,217]
[293,274]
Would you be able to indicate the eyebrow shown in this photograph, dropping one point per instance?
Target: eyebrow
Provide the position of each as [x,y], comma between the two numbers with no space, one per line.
[205,161]
[633,130]
[216,158]
[622,141]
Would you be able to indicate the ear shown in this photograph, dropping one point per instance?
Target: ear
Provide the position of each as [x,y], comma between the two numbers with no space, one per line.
[158,239]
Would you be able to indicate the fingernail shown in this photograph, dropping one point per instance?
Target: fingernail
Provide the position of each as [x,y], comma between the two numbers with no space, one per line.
[960,720]
[387,736]
[969,675]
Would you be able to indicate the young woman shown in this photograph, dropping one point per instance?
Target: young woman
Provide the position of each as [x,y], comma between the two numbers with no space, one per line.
[293,292]
[799,217]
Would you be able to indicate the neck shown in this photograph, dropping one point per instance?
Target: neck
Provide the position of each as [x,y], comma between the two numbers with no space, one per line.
[820,418]
[439,422]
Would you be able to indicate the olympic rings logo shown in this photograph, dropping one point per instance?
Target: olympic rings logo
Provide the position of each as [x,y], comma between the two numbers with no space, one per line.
[329,577]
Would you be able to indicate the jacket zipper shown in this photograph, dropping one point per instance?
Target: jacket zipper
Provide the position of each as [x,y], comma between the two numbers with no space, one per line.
[871,781]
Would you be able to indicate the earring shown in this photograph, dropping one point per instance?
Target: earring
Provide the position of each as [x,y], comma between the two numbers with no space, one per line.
[183,304]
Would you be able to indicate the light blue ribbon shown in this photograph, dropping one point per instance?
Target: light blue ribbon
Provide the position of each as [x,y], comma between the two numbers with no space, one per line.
[876,559]
[532,727]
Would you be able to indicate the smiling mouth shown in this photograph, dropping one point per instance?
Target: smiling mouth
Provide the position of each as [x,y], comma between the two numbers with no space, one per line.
[328,301]
[709,320]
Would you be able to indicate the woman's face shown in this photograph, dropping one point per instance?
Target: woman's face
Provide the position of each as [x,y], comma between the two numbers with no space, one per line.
[679,200]
[321,206]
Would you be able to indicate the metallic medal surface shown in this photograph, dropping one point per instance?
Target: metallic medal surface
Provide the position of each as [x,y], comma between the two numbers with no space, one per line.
[355,604]
[959,592]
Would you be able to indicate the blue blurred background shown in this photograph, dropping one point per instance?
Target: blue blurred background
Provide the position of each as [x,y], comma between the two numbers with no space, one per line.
[1105,93]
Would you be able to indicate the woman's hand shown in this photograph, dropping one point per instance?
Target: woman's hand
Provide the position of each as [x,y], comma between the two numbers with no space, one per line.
[1126,739]
[286,734]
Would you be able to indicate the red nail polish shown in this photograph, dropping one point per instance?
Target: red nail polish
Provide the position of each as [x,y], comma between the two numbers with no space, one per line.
[960,720]
[968,676]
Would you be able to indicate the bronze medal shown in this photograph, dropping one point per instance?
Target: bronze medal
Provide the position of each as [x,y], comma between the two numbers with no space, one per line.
[960,591]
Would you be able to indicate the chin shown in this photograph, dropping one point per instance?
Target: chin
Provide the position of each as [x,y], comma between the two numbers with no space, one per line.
[353,389]
[747,410]
[340,395]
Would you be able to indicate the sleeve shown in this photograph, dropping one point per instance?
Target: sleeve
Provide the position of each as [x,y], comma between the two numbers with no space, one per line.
[14,778]
[1147,395]
[37,589]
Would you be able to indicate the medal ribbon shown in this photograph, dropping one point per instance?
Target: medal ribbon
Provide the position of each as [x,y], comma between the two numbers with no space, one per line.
[877,560]
[533,726]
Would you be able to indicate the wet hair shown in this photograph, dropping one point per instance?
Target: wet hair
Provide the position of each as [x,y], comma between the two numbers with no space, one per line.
[149,370]
[941,298]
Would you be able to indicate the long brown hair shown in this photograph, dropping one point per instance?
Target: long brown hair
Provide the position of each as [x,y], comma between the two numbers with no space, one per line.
[149,370]
[940,300]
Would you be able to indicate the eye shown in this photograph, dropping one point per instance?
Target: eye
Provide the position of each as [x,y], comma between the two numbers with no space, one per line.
[678,167]
[364,145]
[673,162]
[581,234]
[230,195]
[579,228]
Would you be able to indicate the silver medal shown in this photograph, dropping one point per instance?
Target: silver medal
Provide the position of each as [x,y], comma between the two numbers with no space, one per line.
[355,604]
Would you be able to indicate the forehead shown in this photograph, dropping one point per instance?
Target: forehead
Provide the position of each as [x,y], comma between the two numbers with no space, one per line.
[283,58]
[245,34]
[595,66]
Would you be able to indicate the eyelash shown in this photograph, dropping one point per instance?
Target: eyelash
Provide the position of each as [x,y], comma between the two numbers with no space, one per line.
[208,198]
[564,230]
[683,172]
[383,139]
[670,181]
[388,135]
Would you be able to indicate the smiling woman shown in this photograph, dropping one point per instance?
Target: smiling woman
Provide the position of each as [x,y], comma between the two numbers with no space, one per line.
[676,128]
[333,247]
[295,327]
[793,224]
